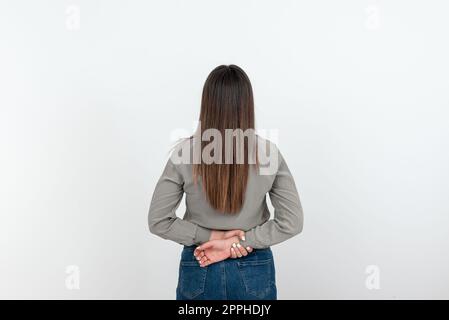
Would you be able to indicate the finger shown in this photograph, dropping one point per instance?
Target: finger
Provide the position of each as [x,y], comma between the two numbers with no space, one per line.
[208,262]
[233,254]
[200,255]
[205,263]
[237,251]
[203,260]
[242,249]
[196,251]
[249,249]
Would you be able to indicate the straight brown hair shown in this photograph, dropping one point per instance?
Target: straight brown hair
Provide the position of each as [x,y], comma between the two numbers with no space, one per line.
[227,103]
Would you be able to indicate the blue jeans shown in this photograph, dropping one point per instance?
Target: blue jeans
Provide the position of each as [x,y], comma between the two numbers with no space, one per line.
[246,278]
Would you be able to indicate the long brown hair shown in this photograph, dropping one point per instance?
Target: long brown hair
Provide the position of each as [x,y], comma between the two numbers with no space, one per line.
[227,103]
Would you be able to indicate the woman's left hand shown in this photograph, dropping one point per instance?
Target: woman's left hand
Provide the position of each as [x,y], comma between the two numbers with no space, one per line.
[239,251]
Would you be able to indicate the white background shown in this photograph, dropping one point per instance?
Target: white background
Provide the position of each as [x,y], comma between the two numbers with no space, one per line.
[90,92]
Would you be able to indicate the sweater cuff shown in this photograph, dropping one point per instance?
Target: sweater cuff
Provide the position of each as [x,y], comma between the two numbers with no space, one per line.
[202,235]
[250,241]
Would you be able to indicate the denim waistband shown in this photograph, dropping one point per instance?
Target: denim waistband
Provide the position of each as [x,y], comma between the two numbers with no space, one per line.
[194,246]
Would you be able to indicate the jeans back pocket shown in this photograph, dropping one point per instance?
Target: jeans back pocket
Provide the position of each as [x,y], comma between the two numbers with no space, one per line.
[192,280]
[259,278]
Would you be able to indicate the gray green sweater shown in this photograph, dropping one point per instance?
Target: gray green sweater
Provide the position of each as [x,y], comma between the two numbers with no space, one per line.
[200,218]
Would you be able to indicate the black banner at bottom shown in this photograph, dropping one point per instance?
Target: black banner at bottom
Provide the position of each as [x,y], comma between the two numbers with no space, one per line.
[194,310]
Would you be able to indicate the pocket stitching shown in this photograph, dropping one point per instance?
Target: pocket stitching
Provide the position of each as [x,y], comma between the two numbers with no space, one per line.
[254,262]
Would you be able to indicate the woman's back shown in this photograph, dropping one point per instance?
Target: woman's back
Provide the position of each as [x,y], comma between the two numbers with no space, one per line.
[277,181]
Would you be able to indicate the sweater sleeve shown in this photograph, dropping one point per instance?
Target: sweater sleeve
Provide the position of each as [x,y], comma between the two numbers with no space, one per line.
[288,213]
[162,219]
